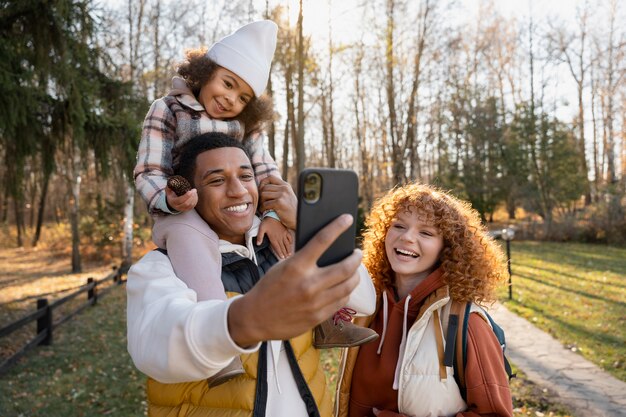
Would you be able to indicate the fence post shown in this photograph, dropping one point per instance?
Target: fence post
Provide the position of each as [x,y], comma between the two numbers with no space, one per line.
[92,293]
[44,323]
[117,278]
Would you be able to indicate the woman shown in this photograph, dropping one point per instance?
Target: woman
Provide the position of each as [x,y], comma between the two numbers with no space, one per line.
[425,249]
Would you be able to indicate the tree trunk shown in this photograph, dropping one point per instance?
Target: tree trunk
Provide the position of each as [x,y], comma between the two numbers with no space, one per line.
[127,247]
[134,36]
[610,151]
[327,147]
[271,127]
[332,158]
[583,160]
[74,213]
[360,129]
[19,221]
[157,48]
[285,165]
[41,209]
[510,208]
[412,113]
[397,162]
[5,205]
[594,122]
[290,125]
[300,156]
[33,198]
[545,211]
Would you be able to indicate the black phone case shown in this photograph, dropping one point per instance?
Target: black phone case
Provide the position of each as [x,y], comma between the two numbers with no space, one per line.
[339,194]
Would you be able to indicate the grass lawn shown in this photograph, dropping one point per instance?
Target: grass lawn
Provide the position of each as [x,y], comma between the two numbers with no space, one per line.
[577,293]
[87,372]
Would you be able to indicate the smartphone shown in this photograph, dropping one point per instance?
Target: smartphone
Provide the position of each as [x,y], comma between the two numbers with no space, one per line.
[323,195]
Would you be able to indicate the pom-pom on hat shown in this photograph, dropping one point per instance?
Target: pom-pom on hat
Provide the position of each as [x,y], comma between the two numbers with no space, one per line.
[248,52]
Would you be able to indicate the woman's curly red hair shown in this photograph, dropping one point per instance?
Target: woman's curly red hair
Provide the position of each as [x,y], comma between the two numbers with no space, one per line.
[473,264]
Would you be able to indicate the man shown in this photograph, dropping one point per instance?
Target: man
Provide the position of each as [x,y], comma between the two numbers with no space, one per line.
[174,339]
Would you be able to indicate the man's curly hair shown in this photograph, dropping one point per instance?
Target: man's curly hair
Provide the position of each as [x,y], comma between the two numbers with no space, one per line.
[473,264]
[197,69]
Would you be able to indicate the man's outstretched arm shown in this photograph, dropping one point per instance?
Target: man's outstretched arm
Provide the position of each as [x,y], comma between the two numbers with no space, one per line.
[295,295]
[173,338]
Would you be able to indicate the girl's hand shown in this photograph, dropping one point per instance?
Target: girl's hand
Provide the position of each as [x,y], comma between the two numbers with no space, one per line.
[386,413]
[276,194]
[281,238]
[183,203]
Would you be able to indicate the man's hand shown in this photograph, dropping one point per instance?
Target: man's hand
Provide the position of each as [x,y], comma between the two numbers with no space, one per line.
[280,237]
[295,295]
[183,203]
[276,194]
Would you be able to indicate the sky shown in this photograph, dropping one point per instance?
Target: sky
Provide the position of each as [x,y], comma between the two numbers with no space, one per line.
[346,21]
[345,14]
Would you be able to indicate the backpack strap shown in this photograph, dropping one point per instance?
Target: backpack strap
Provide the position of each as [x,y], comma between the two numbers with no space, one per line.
[497,330]
[443,373]
[453,325]
[456,341]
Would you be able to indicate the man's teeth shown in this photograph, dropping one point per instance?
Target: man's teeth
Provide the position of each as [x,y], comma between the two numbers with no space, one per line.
[237,209]
[406,252]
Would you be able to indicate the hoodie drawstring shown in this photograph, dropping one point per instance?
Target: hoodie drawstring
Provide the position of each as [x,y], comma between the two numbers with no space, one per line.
[275,346]
[385,318]
[396,378]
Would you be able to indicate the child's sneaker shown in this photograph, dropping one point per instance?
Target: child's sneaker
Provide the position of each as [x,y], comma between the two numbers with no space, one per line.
[339,331]
[229,372]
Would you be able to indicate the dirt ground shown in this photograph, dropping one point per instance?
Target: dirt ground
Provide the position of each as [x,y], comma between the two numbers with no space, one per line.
[27,274]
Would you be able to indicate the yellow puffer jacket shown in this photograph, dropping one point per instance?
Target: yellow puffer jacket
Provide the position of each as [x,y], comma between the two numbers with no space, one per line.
[235,398]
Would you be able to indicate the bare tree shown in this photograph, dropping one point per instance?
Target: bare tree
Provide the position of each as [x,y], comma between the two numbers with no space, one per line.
[571,49]
[299,138]
[499,55]
[425,23]
[536,170]
[360,128]
[397,147]
[614,54]
[329,120]
[594,135]
[284,62]
[271,128]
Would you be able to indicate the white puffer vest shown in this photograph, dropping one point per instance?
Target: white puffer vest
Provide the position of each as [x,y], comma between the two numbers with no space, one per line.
[424,387]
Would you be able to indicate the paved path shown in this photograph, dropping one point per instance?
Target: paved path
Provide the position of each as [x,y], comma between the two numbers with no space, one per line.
[586,389]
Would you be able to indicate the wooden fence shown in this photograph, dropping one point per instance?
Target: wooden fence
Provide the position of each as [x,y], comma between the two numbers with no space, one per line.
[44,315]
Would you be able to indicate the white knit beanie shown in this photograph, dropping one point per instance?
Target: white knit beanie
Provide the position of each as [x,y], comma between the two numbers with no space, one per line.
[248,52]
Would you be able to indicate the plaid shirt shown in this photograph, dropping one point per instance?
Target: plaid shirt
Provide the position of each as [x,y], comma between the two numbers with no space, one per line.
[171,122]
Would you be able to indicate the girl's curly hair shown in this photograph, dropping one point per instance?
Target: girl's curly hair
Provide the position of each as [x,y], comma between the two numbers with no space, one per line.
[198,68]
[473,264]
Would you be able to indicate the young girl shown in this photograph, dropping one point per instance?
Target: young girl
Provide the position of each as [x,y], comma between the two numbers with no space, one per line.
[424,248]
[219,90]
